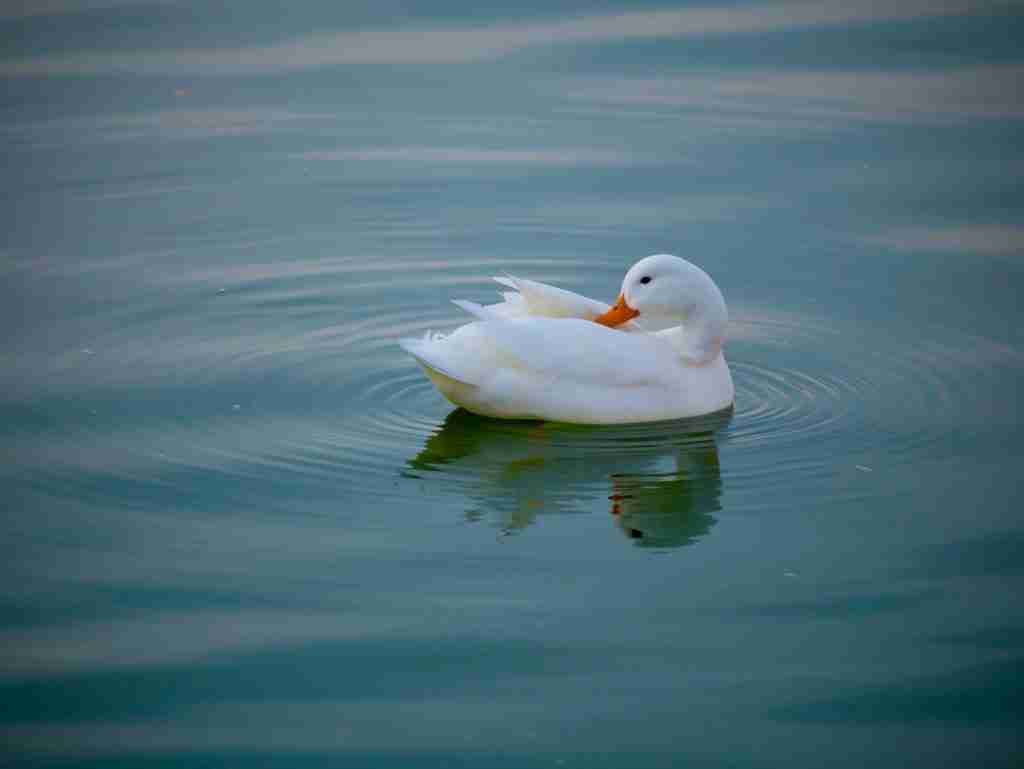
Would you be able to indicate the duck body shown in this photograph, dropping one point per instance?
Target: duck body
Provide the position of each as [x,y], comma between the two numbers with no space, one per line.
[546,353]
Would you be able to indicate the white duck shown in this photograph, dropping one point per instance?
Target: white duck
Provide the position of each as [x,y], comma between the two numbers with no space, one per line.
[547,353]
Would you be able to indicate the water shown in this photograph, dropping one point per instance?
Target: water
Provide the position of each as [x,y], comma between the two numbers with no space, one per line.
[241,528]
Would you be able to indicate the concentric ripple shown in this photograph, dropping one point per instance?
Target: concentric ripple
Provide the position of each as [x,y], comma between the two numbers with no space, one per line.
[813,400]
[310,392]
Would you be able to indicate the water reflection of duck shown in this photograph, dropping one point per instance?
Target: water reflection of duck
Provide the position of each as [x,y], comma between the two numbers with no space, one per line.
[662,481]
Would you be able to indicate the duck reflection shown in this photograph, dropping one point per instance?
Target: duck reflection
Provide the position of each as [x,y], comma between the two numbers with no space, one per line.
[661,481]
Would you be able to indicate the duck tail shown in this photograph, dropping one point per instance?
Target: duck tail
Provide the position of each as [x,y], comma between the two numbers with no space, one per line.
[426,353]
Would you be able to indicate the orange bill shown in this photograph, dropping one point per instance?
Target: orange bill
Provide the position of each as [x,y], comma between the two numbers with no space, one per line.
[618,314]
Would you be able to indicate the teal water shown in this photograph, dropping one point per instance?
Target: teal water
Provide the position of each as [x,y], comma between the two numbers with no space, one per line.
[240,527]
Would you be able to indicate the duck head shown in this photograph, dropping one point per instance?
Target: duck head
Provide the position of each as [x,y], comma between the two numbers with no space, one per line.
[668,291]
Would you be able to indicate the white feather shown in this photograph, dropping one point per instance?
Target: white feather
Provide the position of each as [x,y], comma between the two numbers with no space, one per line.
[537,353]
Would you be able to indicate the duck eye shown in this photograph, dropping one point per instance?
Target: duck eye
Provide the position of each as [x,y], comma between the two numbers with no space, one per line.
[645,279]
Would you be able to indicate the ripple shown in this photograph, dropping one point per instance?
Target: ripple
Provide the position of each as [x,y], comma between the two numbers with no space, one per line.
[820,399]
[329,401]
[780,405]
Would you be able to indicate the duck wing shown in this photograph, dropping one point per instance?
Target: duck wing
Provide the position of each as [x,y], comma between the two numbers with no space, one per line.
[580,351]
[531,298]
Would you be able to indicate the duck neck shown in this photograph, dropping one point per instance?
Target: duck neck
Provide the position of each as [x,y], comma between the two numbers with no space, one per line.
[699,338]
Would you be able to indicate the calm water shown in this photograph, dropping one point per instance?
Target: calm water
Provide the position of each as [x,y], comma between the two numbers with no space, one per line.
[240,527]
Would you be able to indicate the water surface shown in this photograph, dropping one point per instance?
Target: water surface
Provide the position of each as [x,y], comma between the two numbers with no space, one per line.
[242,529]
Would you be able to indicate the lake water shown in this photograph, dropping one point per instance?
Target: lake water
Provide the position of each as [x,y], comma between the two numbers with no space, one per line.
[241,528]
